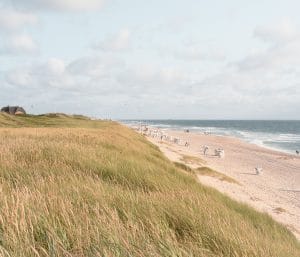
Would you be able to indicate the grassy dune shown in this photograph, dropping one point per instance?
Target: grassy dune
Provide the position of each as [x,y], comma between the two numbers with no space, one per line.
[90,188]
[206,171]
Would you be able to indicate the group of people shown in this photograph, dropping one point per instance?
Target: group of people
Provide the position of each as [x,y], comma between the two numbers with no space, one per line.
[157,133]
[218,152]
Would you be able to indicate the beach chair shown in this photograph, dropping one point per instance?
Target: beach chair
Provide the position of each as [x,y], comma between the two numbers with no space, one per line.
[258,170]
[220,153]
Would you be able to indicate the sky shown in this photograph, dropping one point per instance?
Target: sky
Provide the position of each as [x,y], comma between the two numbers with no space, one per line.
[140,59]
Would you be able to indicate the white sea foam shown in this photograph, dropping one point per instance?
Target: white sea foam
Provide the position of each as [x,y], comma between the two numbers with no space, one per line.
[286,142]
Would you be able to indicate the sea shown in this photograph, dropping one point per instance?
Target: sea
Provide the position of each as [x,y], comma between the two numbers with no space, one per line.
[281,135]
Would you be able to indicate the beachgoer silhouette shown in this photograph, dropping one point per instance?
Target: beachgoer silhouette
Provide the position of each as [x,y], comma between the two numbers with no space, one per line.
[205,149]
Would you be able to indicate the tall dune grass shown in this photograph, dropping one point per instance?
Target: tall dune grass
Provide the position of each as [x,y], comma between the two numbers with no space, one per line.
[103,190]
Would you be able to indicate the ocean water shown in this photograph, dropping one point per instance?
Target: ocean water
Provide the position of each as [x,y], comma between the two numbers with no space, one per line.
[280,135]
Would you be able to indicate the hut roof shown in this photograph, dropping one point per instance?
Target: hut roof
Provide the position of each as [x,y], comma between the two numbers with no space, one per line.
[13,110]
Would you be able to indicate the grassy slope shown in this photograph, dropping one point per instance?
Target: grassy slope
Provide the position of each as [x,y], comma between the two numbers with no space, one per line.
[103,190]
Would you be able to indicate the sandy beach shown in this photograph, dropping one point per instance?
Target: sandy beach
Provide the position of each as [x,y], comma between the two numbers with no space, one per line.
[275,191]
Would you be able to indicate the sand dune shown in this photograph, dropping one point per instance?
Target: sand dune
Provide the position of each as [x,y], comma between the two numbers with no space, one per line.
[275,191]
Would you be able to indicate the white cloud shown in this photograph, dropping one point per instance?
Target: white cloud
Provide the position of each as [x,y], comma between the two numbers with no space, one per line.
[118,42]
[282,54]
[13,20]
[19,44]
[95,67]
[62,5]
[251,94]
[51,74]
[273,59]
[282,32]
[197,53]
[98,75]
[264,82]
[21,78]
[88,73]
[174,25]
[150,81]
[55,66]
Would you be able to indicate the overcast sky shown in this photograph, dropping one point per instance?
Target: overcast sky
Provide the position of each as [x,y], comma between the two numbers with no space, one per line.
[184,59]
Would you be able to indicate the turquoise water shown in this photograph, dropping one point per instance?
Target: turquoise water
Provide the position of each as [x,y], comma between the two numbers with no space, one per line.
[279,135]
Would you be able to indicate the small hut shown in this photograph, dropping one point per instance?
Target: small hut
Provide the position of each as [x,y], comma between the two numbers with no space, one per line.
[14,110]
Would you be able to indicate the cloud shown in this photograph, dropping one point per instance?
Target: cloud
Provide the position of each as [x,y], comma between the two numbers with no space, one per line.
[264,82]
[273,59]
[19,44]
[62,5]
[98,75]
[51,74]
[87,74]
[118,42]
[174,25]
[282,54]
[145,76]
[55,66]
[282,32]
[152,90]
[14,20]
[254,94]
[95,66]
[21,78]
[196,53]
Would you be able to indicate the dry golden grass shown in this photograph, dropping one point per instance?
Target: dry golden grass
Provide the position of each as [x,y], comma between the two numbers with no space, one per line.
[193,160]
[279,210]
[184,167]
[106,191]
[206,171]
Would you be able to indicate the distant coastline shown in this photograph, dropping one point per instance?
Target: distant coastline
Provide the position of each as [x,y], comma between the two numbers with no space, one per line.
[277,135]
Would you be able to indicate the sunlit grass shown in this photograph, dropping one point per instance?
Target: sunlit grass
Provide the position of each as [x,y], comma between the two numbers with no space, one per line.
[193,160]
[206,171]
[102,190]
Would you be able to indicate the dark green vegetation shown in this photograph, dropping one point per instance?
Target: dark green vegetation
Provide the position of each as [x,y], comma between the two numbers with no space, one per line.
[92,188]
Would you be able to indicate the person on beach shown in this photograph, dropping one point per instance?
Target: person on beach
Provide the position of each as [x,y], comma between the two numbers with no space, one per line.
[205,149]
[297,152]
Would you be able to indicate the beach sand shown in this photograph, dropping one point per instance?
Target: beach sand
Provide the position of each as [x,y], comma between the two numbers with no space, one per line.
[275,191]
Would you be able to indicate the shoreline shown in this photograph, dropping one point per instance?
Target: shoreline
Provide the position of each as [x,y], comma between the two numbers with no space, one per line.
[278,149]
[235,133]
[262,145]
[276,191]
